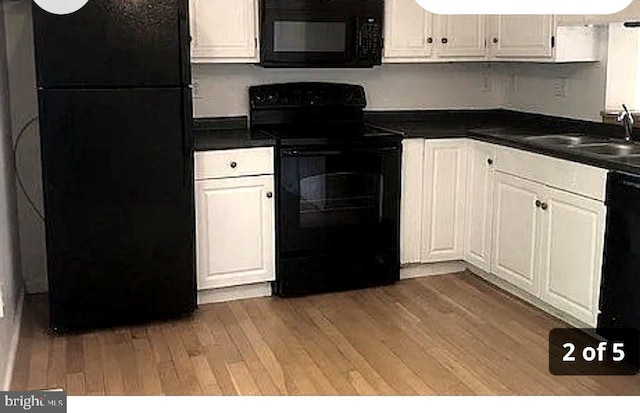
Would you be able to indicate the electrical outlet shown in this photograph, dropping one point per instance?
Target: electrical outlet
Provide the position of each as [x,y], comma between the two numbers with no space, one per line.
[196,89]
[560,87]
[487,82]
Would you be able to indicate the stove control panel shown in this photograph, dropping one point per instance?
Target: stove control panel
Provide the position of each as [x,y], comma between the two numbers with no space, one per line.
[306,95]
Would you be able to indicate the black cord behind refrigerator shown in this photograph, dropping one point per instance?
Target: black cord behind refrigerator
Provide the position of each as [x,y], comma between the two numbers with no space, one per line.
[17,172]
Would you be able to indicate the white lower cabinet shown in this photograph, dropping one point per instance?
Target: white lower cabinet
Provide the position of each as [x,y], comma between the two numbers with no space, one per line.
[235,218]
[534,221]
[571,254]
[411,204]
[443,200]
[478,230]
[517,232]
[549,243]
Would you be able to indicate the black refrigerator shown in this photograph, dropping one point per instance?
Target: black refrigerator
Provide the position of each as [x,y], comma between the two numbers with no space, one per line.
[117,161]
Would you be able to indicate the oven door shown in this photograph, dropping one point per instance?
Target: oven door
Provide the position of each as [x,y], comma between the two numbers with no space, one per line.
[297,33]
[339,200]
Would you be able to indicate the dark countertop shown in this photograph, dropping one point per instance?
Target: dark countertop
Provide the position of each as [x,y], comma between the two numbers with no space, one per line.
[503,127]
[225,133]
[510,129]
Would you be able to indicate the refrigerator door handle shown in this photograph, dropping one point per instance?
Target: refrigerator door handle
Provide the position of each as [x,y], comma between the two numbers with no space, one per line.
[187,137]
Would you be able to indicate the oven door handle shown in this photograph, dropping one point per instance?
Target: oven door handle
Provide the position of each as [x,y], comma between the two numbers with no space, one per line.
[302,152]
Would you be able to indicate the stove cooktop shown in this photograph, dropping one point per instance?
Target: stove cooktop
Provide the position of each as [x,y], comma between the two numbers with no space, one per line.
[322,134]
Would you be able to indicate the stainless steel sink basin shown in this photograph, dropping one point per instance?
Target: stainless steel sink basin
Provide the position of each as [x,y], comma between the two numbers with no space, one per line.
[611,149]
[564,140]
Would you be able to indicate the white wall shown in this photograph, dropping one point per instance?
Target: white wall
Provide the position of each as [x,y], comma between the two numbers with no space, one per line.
[9,255]
[221,90]
[531,87]
[24,106]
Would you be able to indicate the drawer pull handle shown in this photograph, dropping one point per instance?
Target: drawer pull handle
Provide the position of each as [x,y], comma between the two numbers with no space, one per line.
[544,206]
[269,194]
[538,204]
[490,161]
[234,164]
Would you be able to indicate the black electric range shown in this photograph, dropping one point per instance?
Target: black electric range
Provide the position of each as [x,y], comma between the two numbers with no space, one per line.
[338,188]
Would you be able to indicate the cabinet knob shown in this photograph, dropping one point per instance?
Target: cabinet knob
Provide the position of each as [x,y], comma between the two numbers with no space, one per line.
[538,203]
[429,40]
[269,194]
[544,206]
[495,40]
[490,161]
[233,164]
[445,40]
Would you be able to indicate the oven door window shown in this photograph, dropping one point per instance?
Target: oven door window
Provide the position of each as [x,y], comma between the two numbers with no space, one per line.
[340,198]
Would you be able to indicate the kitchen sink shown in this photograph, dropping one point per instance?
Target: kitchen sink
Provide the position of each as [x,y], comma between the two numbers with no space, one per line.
[565,140]
[611,149]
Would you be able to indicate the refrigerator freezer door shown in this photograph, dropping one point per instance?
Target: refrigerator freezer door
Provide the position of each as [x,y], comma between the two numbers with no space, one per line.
[117,170]
[113,43]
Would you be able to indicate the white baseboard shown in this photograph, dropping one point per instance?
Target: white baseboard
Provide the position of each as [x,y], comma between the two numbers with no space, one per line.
[241,292]
[13,348]
[525,296]
[426,270]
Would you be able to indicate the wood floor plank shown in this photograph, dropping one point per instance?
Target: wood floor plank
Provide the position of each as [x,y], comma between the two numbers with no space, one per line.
[57,368]
[145,361]
[308,378]
[93,366]
[204,374]
[251,360]
[452,334]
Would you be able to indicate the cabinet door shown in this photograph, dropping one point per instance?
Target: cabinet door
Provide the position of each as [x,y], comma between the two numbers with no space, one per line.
[235,231]
[224,31]
[443,202]
[408,31]
[522,36]
[411,201]
[479,205]
[461,36]
[517,231]
[572,248]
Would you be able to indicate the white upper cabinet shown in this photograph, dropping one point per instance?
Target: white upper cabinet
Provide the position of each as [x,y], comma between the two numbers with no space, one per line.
[521,36]
[461,36]
[408,31]
[415,35]
[444,199]
[224,31]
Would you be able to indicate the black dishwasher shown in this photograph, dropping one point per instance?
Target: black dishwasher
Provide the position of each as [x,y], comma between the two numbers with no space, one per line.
[620,291]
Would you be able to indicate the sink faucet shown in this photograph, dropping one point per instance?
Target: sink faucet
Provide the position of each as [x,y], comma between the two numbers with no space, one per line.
[627,122]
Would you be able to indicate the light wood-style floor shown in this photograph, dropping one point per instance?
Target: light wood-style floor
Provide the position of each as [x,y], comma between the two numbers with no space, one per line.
[444,335]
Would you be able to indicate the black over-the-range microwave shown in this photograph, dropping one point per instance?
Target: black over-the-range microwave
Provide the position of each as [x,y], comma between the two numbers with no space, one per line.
[321,33]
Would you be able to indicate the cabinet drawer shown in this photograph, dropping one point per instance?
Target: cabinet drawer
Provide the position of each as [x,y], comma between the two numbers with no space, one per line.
[233,162]
[570,176]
